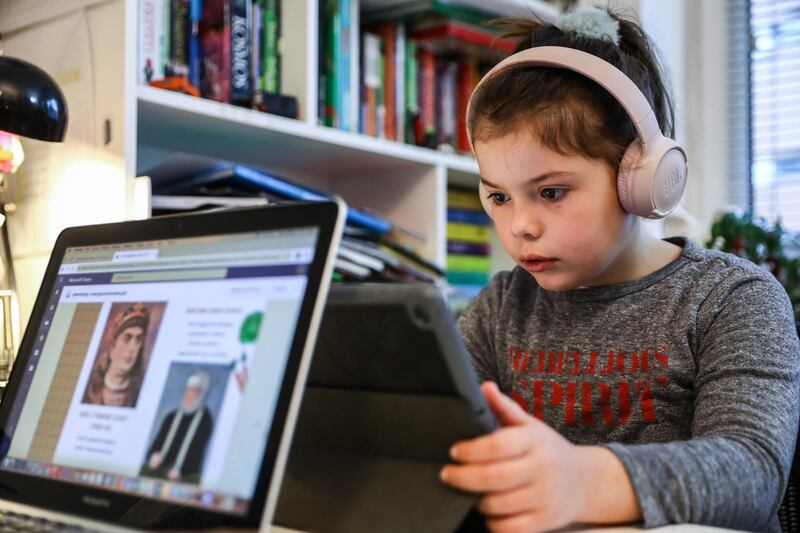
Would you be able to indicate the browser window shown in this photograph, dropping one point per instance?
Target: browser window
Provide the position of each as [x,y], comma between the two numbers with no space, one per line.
[139,379]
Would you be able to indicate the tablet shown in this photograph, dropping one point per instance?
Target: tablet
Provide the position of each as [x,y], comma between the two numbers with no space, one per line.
[391,388]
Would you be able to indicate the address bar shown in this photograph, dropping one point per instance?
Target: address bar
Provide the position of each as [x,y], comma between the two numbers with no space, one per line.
[296,255]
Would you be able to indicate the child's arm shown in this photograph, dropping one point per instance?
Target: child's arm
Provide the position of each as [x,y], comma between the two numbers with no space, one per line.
[733,469]
[536,480]
[730,469]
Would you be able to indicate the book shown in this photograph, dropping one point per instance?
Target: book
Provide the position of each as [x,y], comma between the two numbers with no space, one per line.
[388,34]
[467,248]
[248,179]
[400,82]
[411,97]
[466,80]
[425,126]
[241,21]
[151,41]
[468,216]
[270,56]
[458,231]
[344,92]
[463,199]
[162,204]
[467,263]
[458,38]
[372,81]
[467,278]
[474,11]
[195,51]
[333,35]
[215,80]
[178,64]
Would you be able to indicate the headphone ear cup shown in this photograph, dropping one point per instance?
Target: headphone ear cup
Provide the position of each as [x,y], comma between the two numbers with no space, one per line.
[650,183]
[486,202]
[626,174]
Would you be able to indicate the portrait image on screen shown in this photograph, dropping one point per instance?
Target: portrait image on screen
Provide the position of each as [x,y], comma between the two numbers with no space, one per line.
[124,353]
[185,421]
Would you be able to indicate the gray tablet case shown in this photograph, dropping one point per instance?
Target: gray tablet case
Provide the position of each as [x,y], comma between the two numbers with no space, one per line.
[390,389]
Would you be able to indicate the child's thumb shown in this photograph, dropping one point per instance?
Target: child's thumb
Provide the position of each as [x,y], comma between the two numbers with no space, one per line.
[506,411]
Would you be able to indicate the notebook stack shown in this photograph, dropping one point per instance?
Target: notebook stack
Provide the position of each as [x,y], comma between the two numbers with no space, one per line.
[468,237]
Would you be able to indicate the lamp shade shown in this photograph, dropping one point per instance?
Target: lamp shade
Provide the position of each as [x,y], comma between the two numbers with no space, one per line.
[31,104]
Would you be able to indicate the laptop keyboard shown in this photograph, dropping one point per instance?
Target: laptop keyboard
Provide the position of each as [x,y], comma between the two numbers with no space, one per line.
[11,521]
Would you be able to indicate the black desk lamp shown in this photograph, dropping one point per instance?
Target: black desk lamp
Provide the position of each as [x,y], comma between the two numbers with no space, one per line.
[31,105]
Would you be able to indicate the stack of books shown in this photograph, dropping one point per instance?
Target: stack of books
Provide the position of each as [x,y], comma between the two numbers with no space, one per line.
[223,50]
[373,248]
[403,70]
[468,238]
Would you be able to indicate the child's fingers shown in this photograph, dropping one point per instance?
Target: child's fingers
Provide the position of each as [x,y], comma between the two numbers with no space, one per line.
[506,410]
[514,501]
[503,444]
[487,477]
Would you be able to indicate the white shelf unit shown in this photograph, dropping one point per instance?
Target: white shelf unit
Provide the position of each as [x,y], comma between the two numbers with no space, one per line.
[407,184]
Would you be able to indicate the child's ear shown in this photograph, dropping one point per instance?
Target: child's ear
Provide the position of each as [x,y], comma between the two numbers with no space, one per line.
[486,202]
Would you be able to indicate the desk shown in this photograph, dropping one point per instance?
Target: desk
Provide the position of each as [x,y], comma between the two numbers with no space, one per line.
[687,528]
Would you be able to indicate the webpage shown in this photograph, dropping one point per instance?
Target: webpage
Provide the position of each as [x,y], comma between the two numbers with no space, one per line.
[158,367]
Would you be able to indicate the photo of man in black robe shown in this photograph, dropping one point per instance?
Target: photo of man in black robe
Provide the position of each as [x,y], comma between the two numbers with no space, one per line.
[179,447]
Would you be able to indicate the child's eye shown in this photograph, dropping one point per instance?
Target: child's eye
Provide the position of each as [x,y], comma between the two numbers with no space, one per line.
[553,194]
[497,198]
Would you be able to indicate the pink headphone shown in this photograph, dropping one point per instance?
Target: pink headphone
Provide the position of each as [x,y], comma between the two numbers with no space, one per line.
[652,173]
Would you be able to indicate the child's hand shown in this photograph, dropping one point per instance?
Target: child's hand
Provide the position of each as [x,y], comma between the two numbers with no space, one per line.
[530,475]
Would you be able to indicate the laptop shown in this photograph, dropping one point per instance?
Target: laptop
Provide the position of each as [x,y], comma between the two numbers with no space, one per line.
[159,377]
[391,388]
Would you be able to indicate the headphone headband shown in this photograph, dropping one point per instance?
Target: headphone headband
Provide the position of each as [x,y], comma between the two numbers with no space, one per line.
[603,73]
[652,172]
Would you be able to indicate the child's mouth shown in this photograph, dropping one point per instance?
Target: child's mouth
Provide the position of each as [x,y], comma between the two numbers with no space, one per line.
[534,263]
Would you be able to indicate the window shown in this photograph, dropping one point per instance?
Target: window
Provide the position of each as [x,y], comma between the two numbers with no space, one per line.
[775,110]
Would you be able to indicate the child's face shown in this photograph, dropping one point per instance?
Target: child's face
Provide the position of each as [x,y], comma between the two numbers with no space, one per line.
[557,216]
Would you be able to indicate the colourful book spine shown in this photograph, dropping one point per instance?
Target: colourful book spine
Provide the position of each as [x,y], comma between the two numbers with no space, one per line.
[467,248]
[468,278]
[151,41]
[468,263]
[468,216]
[166,10]
[215,37]
[333,35]
[412,102]
[426,123]
[256,37]
[465,84]
[270,81]
[388,32]
[241,20]
[447,102]
[179,39]
[380,98]
[400,82]
[463,198]
[457,231]
[371,68]
[343,92]
[195,50]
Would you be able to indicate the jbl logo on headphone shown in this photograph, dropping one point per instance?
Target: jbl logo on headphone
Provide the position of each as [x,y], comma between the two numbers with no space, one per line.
[671,182]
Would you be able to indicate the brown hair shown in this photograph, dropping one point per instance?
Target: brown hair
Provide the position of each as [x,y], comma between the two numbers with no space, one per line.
[567,111]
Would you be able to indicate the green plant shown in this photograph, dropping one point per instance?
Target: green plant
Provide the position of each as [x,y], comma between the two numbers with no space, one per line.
[765,244]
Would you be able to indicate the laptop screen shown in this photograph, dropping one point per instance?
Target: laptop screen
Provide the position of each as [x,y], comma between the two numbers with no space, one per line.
[157,365]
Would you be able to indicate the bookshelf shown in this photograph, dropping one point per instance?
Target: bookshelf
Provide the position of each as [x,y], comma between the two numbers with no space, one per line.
[403,182]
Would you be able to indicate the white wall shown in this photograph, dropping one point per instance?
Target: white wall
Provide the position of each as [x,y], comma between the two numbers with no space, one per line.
[692,38]
[80,181]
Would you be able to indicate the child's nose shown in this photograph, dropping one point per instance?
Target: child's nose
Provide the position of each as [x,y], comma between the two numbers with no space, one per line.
[525,224]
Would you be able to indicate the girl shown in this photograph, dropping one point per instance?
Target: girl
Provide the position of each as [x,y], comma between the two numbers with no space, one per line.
[634,379]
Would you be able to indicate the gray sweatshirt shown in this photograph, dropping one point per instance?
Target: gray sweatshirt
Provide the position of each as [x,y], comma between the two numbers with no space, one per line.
[691,375]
